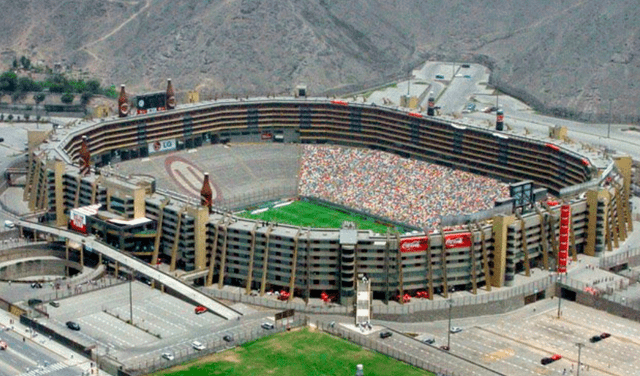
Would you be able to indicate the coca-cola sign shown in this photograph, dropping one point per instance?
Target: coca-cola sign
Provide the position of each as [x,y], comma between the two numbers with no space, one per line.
[414,244]
[462,240]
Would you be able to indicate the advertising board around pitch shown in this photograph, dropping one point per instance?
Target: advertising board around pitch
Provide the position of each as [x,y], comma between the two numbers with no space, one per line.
[161,146]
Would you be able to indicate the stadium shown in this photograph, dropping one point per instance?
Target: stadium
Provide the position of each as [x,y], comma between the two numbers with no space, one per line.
[141,197]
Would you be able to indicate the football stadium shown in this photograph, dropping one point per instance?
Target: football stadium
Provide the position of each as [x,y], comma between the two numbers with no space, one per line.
[414,202]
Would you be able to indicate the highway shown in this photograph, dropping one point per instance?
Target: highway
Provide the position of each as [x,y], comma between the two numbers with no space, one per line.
[31,357]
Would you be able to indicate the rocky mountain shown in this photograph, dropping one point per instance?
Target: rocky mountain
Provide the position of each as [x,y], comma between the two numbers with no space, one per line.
[567,56]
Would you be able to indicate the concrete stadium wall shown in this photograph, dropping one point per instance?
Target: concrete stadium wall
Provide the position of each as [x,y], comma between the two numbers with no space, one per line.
[32,267]
[315,253]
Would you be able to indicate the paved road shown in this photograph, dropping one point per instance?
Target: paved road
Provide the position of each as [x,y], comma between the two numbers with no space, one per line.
[140,267]
[29,354]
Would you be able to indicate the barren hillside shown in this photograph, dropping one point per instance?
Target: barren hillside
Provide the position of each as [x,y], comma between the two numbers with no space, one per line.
[571,53]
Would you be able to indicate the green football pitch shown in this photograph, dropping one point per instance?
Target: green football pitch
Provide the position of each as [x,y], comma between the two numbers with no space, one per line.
[307,214]
[295,353]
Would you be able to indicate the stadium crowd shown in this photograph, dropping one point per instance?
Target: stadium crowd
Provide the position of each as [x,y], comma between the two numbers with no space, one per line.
[387,185]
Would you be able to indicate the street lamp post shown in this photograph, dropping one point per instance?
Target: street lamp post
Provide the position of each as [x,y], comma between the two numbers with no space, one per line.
[609,127]
[131,297]
[560,293]
[579,351]
[449,328]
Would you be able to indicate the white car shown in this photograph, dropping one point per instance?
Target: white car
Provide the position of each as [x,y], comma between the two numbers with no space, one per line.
[455,329]
[198,346]
[9,224]
[168,356]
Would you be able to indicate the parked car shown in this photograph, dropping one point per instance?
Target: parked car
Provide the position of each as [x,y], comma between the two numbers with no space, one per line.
[465,65]
[198,345]
[267,325]
[385,334]
[445,347]
[429,341]
[228,338]
[3,345]
[439,77]
[605,335]
[9,224]
[36,285]
[54,303]
[455,329]
[200,309]
[168,356]
[595,339]
[73,325]
[33,302]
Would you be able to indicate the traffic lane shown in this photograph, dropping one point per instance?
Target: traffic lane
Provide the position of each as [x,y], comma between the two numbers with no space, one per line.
[504,354]
[25,353]
[457,94]
[182,344]
[430,354]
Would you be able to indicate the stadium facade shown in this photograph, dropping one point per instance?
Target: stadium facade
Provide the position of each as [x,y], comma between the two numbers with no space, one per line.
[135,216]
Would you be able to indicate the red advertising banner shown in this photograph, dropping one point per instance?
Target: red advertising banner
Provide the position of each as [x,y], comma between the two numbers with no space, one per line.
[462,240]
[565,218]
[414,244]
[78,221]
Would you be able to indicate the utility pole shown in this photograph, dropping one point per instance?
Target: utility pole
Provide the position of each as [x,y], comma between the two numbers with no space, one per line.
[449,328]
[579,350]
[609,127]
[560,294]
[131,297]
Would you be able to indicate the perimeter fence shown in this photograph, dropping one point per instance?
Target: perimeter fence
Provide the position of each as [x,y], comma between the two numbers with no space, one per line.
[393,308]
[383,348]
[211,346]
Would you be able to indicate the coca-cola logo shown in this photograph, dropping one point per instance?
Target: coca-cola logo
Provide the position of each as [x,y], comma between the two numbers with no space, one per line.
[455,241]
[411,246]
[124,108]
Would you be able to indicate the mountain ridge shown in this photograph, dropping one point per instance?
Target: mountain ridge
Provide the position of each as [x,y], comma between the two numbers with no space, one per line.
[569,56]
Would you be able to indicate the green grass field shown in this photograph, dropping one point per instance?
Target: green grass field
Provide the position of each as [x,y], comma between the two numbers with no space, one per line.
[295,353]
[306,214]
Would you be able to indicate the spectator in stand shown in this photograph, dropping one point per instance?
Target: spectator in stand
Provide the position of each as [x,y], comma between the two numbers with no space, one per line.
[384,184]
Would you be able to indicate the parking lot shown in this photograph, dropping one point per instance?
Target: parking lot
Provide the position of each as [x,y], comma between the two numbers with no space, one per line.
[516,342]
[161,322]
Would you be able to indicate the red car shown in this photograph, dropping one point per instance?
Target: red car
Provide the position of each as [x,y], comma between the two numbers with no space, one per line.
[200,309]
[552,359]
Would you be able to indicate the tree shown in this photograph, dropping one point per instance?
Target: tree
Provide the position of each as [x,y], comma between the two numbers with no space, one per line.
[26,63]
[58,84]
[26,117]
[39,98]
[10,117]
[93,86]
[8,82]
[15,63]
[27,84]
[85,98]
[67,98]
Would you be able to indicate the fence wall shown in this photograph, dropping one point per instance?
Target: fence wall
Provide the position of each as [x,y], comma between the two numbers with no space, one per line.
[612,303]
[213,346]
[382,348]
[271,302]
[630,257]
